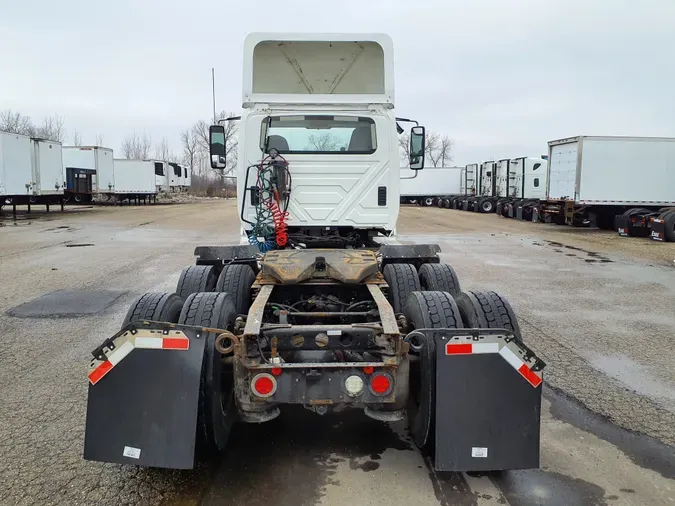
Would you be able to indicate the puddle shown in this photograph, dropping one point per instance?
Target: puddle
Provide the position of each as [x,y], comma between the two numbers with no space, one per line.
[636,377]
[65,303]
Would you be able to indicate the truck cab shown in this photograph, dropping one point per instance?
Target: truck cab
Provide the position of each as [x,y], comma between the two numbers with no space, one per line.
[323,105]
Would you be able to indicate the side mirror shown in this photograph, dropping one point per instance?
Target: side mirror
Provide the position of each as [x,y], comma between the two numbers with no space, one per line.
[417,147]
[217,148]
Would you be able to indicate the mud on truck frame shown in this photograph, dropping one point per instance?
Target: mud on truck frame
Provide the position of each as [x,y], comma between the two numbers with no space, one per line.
[327,317]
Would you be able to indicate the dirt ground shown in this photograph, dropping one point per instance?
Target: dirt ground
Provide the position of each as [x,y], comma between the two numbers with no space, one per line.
[596,307]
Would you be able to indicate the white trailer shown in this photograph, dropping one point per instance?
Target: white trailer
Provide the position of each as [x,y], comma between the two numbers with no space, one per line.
[188,177]
[174,176]
[162,179]
[134,179]
[431,185]
[16,174]
[87,170]
[47,168]
[593,179]
[521,185]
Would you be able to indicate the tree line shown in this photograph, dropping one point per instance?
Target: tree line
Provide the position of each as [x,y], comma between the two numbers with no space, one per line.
[194,142]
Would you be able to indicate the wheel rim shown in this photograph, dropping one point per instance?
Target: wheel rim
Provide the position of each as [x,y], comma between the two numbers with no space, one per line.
[429,201]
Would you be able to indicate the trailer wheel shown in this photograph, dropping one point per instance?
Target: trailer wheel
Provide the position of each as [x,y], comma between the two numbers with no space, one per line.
[428,201]
[217,411]
[158,307]
[669,223]
[487,206]
[196,278]
[236,280]
[426,310]
[402,280]
[439,277]
[487,310]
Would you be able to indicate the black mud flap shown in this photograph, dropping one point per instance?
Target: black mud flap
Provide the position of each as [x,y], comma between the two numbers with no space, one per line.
[488,402]
[658,229]
[622,225]
[416,254]
[142,405]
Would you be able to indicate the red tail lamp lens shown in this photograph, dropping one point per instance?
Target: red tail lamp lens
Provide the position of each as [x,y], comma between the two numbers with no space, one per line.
[276,371]
[368,369]
[264,385]
[380,384]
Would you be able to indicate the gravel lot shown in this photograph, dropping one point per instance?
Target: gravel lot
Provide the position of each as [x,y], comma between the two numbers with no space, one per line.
[596,307]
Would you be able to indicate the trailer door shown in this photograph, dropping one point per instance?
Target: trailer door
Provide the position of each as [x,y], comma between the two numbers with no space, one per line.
[563,170]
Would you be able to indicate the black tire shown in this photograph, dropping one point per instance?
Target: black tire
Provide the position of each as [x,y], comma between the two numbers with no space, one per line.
[440,278]
[669,223]
[217,410]
[428,201]
[158,307]
[402,280]
[236,280]
[486,206]
[196,278]
[427,310]
[488,310]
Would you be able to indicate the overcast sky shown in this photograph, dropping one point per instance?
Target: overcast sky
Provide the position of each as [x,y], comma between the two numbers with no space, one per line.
[501,77]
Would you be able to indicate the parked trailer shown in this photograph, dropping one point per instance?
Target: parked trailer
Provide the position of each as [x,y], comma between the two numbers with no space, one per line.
[428,186]
[162,178]
[16,174]
[134,180]
[606,181]
[188,178]
[174,176]
[87,170]
[521,186]
[468,187]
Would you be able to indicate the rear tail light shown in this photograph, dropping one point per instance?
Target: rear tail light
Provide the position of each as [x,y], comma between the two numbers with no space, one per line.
[264,385]
[380,384]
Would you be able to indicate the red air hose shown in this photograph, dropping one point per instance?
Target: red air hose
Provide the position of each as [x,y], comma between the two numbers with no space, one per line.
[280,219]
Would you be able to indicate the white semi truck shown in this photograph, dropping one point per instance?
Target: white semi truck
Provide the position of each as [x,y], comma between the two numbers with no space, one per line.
[430,186]
[321,307]
[622,182]
[521,186]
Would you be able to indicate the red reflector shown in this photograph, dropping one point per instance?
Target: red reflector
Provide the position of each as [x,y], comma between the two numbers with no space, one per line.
[529,375]
[175,343]
[380,384]
[458,349]
[368,370]
[276,371]
[99,372]
[263,385]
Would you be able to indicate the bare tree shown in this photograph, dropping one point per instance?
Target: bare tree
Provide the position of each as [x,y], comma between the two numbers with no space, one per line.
[433,142]
[137,146]
[445,149]
[77,140]
[404,144]
[190,148]
[323,142]
[162,151]
[98,141]
[14,122]
[52,128]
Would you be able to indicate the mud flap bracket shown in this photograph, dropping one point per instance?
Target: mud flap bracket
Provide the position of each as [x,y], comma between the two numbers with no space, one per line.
[488,401]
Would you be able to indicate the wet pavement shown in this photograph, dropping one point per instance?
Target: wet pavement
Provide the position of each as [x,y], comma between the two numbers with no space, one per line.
[607,416]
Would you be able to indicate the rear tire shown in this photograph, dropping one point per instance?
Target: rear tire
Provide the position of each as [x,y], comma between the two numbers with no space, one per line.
[488,310]
[428,201]
[158,307]
[217,410]
[439,277]
[486,206]
[427,310]
[196,278]
[402,280]
[236,280]
[669,223]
